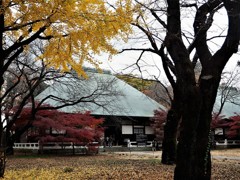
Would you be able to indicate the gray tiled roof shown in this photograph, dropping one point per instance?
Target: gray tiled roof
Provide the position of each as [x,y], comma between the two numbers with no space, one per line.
[110,96]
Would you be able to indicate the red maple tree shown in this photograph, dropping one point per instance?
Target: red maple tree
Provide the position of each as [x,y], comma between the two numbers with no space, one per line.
[157,123]
[234,127]
[232,124]
[56,126]
[218,121]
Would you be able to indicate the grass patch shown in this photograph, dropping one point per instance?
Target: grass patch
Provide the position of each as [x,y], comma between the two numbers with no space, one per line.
[153,161]
[68,169]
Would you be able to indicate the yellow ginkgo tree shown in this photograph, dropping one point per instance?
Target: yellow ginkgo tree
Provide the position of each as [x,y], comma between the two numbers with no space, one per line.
[72,31]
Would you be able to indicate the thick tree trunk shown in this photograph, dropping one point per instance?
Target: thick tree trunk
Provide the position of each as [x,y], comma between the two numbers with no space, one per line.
[202,156]
[187,139]
[2,148]
[202,162]
[1,66]
[170,132]
[189,94]
[9,143]
[169,140]
[193,150]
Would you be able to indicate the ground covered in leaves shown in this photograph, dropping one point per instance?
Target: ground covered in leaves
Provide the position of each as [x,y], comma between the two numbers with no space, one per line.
[107,166]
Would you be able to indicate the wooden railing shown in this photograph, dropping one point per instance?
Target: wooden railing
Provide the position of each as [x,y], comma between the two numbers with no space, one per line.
[226,142]
[136,144]
[26,146]
[52,145]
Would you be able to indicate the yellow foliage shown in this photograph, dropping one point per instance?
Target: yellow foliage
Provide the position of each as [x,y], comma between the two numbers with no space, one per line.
[117,166]
[91,167]
[73,30]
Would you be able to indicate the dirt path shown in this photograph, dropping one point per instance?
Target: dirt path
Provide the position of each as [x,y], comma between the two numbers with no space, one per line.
[227,154]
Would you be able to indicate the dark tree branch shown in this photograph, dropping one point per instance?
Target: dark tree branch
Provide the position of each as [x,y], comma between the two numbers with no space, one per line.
[138,49]
[158,19]
[20,44]
[15,26]
[165,67]
[167,91]
[149,36]
[12,58]
[201,25]
[230,45]
[189,5]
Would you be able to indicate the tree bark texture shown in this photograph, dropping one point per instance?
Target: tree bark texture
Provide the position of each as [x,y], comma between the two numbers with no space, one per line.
[209,83]
[193,151]
[171,131]
[2,149]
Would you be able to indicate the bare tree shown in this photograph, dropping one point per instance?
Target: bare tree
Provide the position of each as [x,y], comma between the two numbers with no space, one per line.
[228,90]
[160,92]
[27,78]
[179,50]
